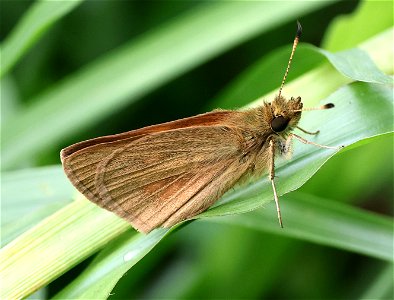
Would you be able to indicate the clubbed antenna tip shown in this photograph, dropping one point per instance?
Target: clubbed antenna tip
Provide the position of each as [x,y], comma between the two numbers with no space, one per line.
[295,43]
[299,29]
[329,105]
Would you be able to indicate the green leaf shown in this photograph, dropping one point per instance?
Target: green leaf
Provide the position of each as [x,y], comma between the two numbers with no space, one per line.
[370,18]
[30,195]
[367,109]
[318,79]
[137,68]
[98,280]
[55,245]
[382,287]
[26,190]
[353,166]
[325,222]
[307,218]
[248,86]
[9,100]
[39,18]
[348,63]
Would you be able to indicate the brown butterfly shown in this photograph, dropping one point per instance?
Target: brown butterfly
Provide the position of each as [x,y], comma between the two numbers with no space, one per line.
[160,175]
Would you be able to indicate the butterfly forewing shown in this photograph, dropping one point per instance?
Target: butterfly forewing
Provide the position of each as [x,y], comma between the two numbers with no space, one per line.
[80,160]
[155,176]
[166,177]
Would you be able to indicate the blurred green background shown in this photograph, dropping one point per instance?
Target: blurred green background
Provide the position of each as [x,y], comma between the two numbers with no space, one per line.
[85,49]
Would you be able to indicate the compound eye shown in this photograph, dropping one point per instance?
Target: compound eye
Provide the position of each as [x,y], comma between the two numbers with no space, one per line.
[279,123]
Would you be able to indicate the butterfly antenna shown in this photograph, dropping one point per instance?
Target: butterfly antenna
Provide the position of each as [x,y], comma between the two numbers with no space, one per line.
[295,43]
[321,107]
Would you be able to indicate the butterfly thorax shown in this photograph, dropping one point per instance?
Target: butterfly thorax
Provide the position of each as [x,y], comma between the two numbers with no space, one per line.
[274,121]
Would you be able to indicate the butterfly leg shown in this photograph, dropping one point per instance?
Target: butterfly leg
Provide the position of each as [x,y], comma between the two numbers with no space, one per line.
[301,139]
[308,132]
[272,177]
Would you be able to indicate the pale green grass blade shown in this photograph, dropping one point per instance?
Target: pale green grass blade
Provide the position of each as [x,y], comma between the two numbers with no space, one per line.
[324,222]
[347,62]
[353,165]
[55,245]
[16,227]
[98,280]
[26,190]
[9,99]
[133,70]
[39,18]
[30,195]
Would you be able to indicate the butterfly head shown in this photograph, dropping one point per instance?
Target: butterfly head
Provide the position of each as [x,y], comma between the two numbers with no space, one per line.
[285,113]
